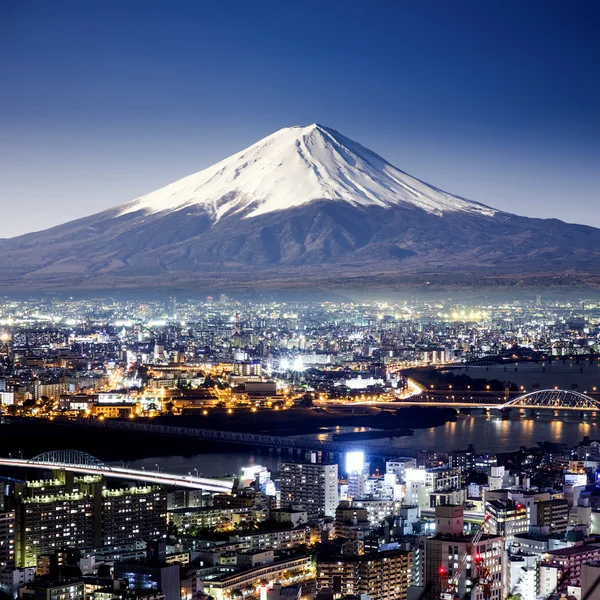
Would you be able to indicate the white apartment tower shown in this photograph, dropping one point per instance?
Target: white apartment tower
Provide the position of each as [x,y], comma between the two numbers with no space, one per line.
[311,485]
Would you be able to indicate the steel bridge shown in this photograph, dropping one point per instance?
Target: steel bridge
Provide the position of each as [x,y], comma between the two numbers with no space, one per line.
[80,462]
[483,363]
[550,399]
[245,439]
[554,399]
[68,458]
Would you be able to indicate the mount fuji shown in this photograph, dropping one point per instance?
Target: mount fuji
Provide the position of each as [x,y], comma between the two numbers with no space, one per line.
[303,207]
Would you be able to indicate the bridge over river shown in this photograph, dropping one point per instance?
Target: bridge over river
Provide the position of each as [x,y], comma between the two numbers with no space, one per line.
[299,444]
[80,462]
[539,400]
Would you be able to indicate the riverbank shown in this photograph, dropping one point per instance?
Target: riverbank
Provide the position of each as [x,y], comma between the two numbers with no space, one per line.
[297,421]
[31,436]
[356,436]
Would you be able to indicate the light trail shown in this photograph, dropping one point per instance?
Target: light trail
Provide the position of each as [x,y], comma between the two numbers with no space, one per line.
[181,481]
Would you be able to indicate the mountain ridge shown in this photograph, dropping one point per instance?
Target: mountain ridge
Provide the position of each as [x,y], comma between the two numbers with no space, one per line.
[307,203]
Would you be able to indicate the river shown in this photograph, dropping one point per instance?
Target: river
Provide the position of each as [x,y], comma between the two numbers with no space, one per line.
[488,433]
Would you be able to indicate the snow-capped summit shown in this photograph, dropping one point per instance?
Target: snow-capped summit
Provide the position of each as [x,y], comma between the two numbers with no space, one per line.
[303,207]
[295,166]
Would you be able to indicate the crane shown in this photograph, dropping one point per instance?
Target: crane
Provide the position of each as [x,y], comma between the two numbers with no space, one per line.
[451,582]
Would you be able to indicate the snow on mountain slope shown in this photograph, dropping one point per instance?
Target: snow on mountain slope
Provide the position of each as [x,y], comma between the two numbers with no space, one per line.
[295,166]
[305,206]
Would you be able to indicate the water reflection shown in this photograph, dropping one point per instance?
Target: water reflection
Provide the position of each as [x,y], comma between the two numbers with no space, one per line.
[491,433]
[488,433]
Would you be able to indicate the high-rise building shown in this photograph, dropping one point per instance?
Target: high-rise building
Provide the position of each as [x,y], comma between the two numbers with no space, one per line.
[553,514]
[311,485]
[133,513]
[398,467]
[445,552]
[506,518]
[172,307]
[55,513]
[463,460]
[7,540]
[383,575]
[358,474]
[54,590]
[562,568]
[80,513]
[351,522]
[248,368]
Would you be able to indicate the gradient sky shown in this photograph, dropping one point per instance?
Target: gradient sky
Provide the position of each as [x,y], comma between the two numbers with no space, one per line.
[103,101]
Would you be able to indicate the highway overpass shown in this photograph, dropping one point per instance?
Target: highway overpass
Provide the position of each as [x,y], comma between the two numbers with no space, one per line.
[85,464]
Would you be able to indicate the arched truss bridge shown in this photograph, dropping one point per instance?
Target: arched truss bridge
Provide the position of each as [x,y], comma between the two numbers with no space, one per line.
[557,399]
[69,458]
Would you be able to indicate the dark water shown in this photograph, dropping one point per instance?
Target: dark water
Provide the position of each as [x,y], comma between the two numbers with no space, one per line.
[494,434]
[210,465]
[489,433]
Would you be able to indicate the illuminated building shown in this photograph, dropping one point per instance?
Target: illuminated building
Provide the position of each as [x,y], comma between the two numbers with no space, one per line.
[207,517]
[398,467]
[221,583]
[377,510]
[117,592]
[79,513]
[133,513]
[463,460]
[445,552]
[156,577]
[248,368]
[54,590]
[506,518]
[157,573]
[561,569]
[278,540]
[553,514]
[310,485]
[55,513]
[383,575]
[358,473]
[7,540]
[351,522]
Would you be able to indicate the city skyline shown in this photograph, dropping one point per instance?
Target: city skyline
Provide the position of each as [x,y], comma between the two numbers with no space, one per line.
[162,449]
[299,300]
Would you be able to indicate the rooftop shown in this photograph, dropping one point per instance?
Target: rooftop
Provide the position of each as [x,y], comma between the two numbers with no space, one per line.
[575,550]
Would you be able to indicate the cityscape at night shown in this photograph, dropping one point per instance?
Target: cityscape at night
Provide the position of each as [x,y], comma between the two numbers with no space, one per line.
[288,447]
[299,300]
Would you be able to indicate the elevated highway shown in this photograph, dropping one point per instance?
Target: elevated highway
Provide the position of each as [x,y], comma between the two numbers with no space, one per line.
[85,464]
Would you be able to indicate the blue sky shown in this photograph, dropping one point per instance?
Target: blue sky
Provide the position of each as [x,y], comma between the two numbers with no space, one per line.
[103,101]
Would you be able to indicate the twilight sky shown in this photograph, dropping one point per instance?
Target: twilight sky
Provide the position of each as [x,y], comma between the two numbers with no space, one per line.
[103,101]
